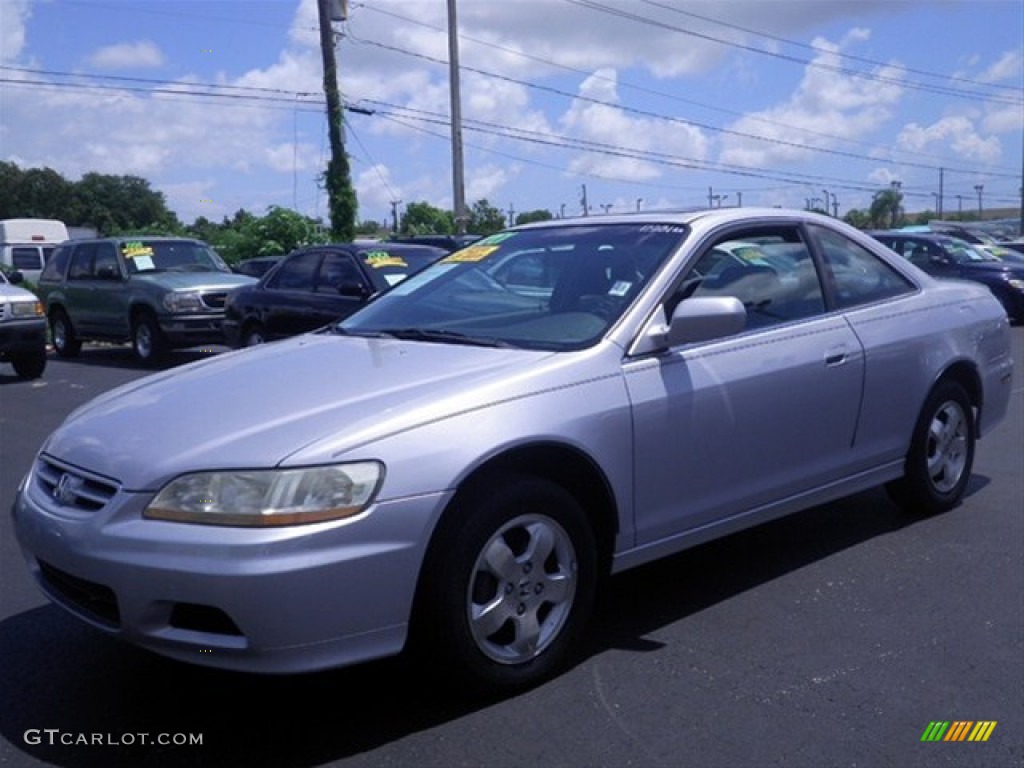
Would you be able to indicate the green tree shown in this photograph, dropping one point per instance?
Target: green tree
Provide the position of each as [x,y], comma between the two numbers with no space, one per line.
[42,193]
[122,204]
[886,208]
[281,231]
[485,219]
[424,219]
[858,218]
[538,215]
[10,178]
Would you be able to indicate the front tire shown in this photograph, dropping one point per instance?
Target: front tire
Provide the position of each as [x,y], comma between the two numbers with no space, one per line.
[30,365]
[938,465]
[509,584]
[253,336]
[148,340]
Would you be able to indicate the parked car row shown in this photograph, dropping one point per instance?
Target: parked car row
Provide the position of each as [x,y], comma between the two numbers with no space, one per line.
[162,293]
[945,256]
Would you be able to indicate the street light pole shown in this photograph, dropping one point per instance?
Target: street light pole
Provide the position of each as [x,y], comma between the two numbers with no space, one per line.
[978,188]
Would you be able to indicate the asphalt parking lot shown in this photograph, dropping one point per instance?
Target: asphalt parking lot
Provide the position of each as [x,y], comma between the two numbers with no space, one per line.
[833,637]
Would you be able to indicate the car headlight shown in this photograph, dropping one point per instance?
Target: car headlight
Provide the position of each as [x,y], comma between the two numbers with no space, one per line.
[272,497]
[1016,283]
[183,301]
[27,309]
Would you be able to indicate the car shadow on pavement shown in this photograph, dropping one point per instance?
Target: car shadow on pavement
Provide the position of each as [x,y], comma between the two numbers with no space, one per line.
[61,681]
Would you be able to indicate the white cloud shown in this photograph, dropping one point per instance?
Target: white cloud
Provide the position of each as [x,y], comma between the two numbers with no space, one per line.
[14,15]
[595,118]
[957,133]
[1007,68]
[828,106]
[144,54]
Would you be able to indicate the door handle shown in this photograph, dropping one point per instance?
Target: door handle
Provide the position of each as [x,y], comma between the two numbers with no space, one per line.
[835,356]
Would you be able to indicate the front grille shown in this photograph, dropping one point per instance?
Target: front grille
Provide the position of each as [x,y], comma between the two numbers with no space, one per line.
[215,300]
[94,600]
[3,310]
[70,487]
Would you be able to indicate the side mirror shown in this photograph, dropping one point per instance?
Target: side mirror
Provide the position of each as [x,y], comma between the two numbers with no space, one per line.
[15,277]
[702,318]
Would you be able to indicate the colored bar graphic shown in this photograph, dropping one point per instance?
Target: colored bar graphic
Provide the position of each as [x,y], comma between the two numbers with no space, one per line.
[934,731]
[958,730]
[982,730]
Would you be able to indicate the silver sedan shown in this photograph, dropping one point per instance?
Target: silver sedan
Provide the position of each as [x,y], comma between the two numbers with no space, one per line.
[454,467]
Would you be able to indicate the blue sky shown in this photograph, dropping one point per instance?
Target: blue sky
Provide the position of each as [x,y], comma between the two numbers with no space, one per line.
[649,103]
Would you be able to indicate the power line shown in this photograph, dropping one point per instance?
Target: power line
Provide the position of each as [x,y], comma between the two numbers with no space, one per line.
[818,49]
[940,90]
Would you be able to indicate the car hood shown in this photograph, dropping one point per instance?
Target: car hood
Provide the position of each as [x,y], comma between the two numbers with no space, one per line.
[256,407]
[194,281]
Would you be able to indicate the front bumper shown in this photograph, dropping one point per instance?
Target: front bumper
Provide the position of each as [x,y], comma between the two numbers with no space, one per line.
[193,330]
[288,600]
[21,336]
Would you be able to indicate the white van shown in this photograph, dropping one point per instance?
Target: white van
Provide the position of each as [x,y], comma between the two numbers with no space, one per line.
[26,244]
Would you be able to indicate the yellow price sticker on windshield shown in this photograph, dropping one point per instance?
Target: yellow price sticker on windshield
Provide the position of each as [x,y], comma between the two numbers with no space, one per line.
[380,259]
[133,250]
[471,254]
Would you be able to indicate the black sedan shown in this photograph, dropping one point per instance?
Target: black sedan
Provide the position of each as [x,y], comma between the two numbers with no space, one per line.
[945,256]
[314,286]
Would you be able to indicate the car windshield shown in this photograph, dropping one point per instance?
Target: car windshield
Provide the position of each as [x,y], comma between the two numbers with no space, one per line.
[171,256]
[963,252]
[557,287]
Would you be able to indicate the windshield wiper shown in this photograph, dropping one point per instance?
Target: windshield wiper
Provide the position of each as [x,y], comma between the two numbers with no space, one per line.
[443,336]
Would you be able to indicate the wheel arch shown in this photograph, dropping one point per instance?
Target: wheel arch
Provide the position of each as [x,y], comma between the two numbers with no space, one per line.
[966,375]
[564,465]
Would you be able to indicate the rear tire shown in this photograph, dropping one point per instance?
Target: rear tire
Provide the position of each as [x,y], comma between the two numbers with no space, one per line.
[65,343]
[508,585]
[938,465]
[30,365]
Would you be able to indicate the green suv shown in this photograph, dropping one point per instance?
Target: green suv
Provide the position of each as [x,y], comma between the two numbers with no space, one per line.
[156,292]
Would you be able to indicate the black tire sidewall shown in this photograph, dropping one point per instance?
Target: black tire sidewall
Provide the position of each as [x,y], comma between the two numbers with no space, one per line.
[157,346]
[916,491]
[442,625]
[71,344]
[30,365]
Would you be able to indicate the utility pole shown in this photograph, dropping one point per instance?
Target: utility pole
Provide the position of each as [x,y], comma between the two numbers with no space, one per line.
[979,188]
[394,215]
[511,215]
[711,197]
[960,207]
[942,180]
[583,200]
[458,185]
[341,197]
[739,199]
